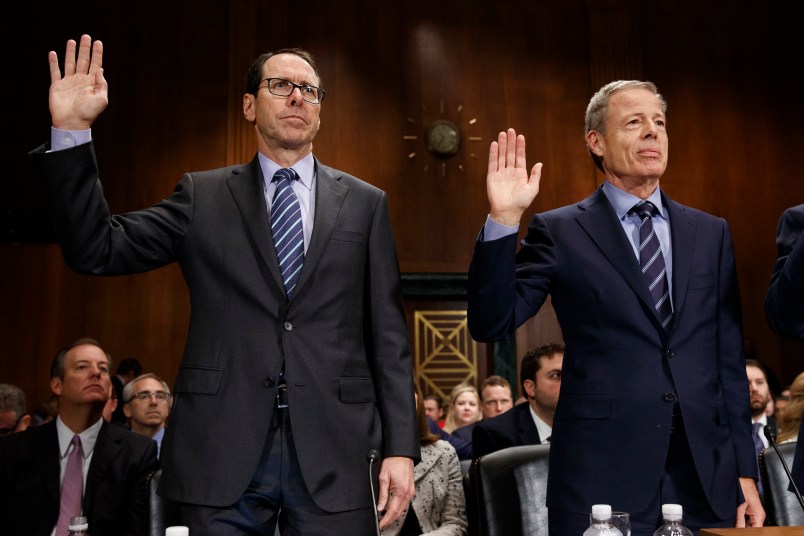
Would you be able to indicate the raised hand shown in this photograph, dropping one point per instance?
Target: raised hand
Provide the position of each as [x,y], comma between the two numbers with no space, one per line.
[509,187]
[79,97]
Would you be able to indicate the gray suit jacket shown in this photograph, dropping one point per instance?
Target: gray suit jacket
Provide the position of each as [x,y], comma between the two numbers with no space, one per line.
[342,337]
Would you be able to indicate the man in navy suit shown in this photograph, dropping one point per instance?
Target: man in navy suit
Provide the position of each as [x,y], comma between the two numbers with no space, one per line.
[654,396]
[115,462]
[528,423]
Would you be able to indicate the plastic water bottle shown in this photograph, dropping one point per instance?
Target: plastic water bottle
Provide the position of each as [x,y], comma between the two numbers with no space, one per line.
[672,514]
[177,531]
[601,522]
[78,526]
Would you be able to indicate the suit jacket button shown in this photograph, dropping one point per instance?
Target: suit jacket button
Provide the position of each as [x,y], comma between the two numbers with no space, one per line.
[669,353]
[669,397]
[287,326]
[269,382]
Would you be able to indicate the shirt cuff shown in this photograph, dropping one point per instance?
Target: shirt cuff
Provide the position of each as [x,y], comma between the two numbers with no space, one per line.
[493,230]
[67,139]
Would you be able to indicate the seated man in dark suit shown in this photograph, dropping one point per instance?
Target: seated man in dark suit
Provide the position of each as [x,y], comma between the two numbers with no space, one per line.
[527,423]
[77,465]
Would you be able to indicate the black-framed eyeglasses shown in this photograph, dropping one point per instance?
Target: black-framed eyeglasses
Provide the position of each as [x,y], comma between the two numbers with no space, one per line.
[145,396]
[10,430]
[283,88]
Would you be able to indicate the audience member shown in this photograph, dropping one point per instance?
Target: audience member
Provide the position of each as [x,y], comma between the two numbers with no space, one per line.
[13,411]
[780,402]
[495,399]
[46,411]
[438,506]
[434,406]
[760,396]
[464,407]
[100,469]
[111,406]
[461,446]
[495,395]
[147,406]
[531,423]
[789,422]
[128,369]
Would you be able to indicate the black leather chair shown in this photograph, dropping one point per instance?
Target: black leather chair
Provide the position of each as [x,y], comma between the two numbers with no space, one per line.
[781,506]
[161,512]
[509,489]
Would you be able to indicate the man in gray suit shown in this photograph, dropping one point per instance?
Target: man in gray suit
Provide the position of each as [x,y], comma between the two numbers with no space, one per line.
[288,380]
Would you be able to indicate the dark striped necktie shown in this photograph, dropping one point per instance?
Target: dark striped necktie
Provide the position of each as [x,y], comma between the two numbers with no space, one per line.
[286,226]
[651,261]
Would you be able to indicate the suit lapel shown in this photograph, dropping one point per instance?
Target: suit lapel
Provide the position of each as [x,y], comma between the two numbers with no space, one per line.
[330,194]
[682,231]
[48,457]
[107,448]
[601,224]
[527,432]
[246,187]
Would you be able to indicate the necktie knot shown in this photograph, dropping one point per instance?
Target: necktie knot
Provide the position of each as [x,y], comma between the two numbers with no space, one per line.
[285,174]
[76,443]
[644,210]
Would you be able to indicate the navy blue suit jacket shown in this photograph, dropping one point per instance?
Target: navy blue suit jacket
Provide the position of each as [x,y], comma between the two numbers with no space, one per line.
[622,373]
[784,303]
[513,428]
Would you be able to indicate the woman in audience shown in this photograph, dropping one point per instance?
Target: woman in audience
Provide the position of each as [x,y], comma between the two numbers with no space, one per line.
[438,507]
[464,407]
[791,416]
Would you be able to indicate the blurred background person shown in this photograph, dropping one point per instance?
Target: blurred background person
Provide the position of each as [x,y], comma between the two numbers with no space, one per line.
[434,408]
[464,407]
[13,413]
[790,421]
[127,370]
[438,506]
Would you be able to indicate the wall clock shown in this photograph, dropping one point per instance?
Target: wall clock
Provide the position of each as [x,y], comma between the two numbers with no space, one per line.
[443,138]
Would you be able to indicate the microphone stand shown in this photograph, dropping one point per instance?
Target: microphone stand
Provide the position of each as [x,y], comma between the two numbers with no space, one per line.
[373,456]
[770,434]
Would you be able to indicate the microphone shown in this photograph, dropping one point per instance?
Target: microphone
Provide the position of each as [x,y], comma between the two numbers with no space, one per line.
[374,457]
[770,434]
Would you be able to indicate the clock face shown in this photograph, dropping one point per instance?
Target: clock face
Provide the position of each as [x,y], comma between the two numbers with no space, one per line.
[443,138]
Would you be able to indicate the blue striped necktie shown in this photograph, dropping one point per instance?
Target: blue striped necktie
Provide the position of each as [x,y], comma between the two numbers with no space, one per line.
[651,261]
[286,226]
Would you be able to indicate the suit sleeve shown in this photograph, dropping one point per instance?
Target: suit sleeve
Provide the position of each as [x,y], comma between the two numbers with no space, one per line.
[784,302]
[506,289]
[389,347]
[731,362]
[92,240]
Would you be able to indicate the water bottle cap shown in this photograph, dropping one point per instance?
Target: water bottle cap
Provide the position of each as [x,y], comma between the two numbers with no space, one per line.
[177,531]
[672,511]
[601,511]
[78,523]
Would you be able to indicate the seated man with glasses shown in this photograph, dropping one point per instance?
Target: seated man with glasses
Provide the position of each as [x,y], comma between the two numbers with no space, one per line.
[147,406]
[495,399]
[13,417]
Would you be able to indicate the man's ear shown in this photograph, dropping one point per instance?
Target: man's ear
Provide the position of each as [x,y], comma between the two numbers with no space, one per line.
[127,410]
[56,385]
[530,388]
[595,142]
[248,107]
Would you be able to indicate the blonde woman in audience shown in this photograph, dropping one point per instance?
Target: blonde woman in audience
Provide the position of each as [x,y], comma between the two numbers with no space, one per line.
[464,407]
[438,507]
[791,416]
